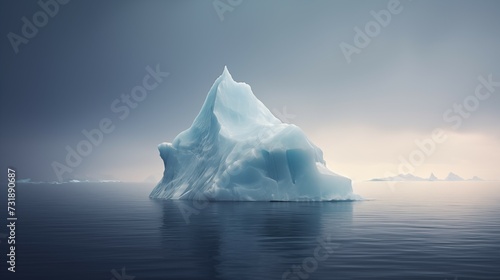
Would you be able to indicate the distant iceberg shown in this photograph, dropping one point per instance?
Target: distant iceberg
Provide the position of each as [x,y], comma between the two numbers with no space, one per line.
[432,177]
[403,177]
[93,181]
[237,150]
[452,177]
[29,181]
[475,178]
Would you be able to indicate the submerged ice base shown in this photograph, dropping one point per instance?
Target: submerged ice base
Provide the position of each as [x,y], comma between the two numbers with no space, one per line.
[237,150]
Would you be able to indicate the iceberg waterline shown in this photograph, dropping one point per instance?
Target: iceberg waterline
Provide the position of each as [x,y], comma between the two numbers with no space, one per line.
[237,150]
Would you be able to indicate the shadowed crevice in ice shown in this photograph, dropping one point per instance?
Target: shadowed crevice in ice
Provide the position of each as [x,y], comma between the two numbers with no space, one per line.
[237,150]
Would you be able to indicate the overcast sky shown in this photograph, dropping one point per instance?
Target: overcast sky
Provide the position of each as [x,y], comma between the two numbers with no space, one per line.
[365,114]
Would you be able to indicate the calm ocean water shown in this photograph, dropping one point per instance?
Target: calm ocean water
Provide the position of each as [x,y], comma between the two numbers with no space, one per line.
[430,230]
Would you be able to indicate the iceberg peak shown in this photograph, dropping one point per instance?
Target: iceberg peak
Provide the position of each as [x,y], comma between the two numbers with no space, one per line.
[226,74]
[237,150]
[233,108]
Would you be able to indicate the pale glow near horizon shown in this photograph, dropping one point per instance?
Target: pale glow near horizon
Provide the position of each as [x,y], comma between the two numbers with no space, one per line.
[368,154]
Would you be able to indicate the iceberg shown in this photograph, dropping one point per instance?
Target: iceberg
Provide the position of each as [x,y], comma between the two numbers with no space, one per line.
[475,178]
[237,150]
[405,177]
[432,177]
[453,177]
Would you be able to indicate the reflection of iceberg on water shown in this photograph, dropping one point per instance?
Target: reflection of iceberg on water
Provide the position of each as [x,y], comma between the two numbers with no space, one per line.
[237,150]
